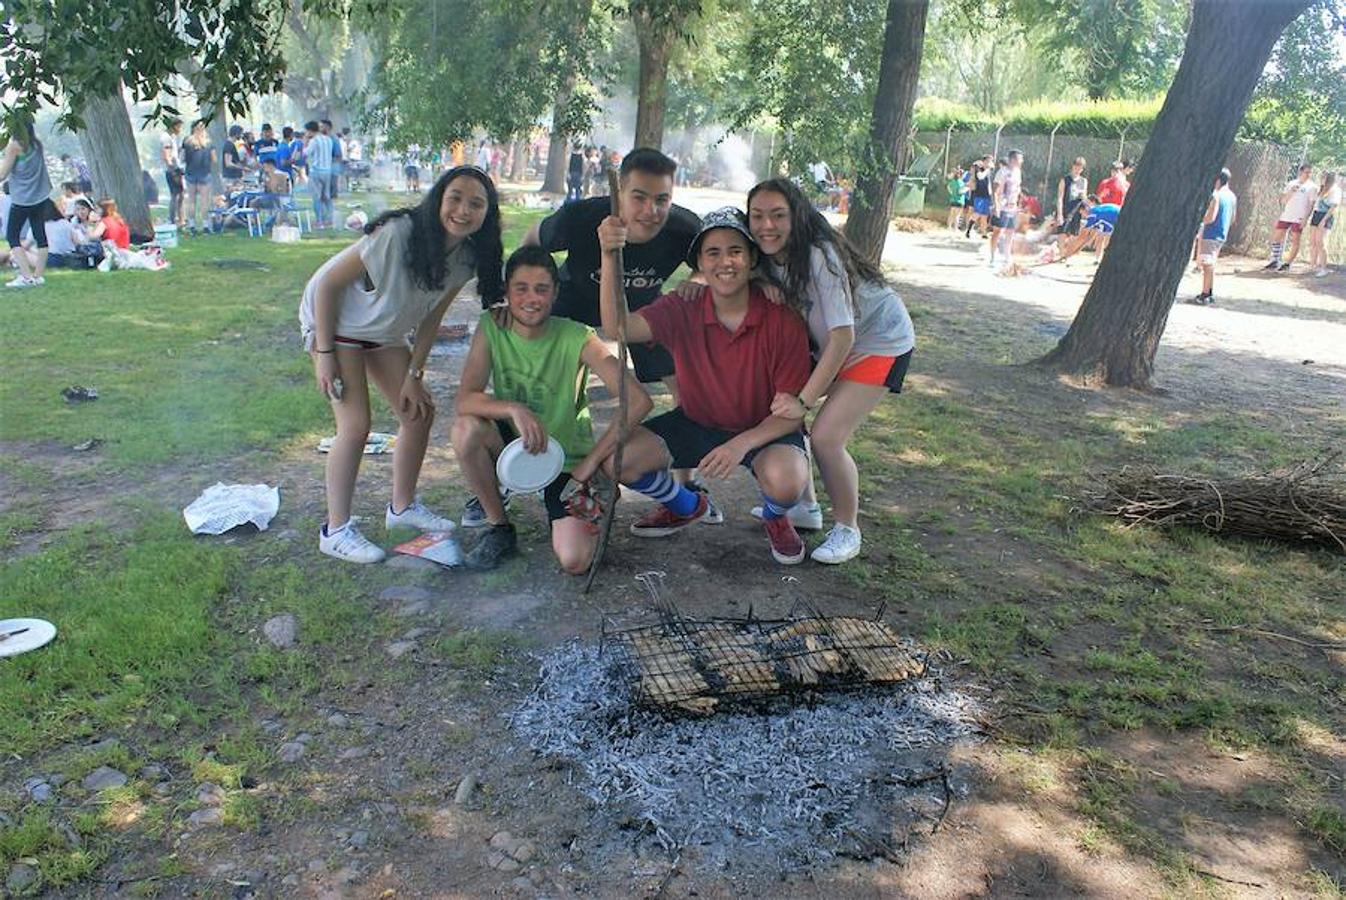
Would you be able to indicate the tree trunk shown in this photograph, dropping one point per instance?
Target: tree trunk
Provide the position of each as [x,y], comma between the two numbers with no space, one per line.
[656,45]
[903,40]
[518,165]
[558,151]
[109,146]
[1116,332]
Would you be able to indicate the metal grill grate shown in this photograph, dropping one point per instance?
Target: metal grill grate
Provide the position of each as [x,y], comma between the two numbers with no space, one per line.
[697,665]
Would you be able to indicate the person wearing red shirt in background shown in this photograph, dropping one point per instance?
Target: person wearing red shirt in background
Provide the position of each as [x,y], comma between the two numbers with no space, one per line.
[1113,188]
[114,227]
[733,351]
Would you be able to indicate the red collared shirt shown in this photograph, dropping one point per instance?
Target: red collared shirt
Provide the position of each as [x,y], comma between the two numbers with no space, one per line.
[727,379]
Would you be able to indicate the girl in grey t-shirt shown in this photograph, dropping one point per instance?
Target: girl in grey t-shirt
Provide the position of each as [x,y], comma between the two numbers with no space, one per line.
[864,340]
[355,317]
[25,165]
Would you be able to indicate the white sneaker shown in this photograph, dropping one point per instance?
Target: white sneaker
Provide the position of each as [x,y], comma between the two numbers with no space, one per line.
[417,516]
[22,281]
[843,543]
[1320,273]
[349,544]
[804,516]
[34,282]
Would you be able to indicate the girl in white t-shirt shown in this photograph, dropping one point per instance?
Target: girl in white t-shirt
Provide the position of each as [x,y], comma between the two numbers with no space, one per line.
[864,340]
[1320,223]
[357,314]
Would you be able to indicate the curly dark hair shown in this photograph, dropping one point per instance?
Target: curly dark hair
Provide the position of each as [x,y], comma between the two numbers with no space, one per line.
[809,229]
[425,251]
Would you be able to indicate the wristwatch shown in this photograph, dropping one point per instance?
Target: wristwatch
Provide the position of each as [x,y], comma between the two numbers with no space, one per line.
[416,372]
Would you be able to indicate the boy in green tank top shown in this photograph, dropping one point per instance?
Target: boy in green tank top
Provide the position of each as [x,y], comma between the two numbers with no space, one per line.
[536,367]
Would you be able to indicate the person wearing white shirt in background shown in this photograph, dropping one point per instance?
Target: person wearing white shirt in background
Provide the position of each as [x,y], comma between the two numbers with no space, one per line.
[1320,222]
[1297,201]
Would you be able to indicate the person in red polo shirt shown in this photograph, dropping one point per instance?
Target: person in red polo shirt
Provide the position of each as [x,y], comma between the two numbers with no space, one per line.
[733,351]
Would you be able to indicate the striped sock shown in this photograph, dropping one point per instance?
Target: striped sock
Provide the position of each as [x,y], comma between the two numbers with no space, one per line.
[773,510]
[660,487]
[1276,253]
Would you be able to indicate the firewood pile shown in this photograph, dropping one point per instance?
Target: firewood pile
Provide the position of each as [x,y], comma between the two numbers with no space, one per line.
[1305,504]
[696,666]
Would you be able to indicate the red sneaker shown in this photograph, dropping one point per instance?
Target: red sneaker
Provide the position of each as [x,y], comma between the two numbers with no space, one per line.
[660,521]
[786,544]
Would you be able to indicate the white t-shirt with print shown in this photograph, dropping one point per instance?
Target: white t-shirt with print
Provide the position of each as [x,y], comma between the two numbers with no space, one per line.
[390,312]
[1302,197]
[1008,185]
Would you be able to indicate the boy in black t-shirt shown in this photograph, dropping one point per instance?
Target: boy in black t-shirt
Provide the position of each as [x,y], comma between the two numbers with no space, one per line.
[659,233]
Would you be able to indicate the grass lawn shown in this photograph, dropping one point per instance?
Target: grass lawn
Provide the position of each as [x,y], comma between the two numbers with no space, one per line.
[193,365]
[1091,635]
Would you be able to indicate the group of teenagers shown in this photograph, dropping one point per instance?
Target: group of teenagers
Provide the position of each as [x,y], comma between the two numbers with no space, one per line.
[780,320]
[988,195]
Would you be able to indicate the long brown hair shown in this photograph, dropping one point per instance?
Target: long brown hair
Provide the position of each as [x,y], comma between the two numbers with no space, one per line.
[108,207]
[809,229]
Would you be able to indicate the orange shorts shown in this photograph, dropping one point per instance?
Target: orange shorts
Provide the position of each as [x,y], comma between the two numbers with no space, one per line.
[869,370]
[880,371]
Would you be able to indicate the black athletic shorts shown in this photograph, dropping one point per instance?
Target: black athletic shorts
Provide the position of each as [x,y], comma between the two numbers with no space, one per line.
[688,442]
[551,494]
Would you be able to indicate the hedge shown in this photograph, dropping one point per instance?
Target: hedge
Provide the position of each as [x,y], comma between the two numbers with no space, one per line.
[1102,118]
[1271,121]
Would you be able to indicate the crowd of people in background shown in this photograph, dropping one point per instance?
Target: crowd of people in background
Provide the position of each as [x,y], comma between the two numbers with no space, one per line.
[988,196]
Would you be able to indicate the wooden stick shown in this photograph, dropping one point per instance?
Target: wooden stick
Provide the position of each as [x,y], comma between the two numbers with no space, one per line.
[605,527]
[1276,636]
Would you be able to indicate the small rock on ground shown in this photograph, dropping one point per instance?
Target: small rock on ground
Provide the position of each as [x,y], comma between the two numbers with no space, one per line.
[465,789]
[38,788]
[416,608]
[20,878]
[102,778]
[291,751]
[338,720]
[211,815]
[399,649]
[406,592]
[210,794]
[281,631]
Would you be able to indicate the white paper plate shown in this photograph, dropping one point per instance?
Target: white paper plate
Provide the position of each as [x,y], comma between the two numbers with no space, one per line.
[524,472]
[39,632]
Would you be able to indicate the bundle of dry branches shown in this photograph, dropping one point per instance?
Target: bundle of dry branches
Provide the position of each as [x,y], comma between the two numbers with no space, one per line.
[1303,504]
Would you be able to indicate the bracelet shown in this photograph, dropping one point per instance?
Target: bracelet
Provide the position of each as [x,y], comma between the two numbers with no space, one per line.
[333,350]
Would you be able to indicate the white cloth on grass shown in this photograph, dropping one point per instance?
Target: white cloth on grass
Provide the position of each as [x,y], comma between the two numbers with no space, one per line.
[225,506]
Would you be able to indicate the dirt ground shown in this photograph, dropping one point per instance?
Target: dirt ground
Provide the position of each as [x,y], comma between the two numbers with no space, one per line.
[384,766]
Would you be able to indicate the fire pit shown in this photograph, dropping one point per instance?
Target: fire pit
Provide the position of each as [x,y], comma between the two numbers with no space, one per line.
[786,773]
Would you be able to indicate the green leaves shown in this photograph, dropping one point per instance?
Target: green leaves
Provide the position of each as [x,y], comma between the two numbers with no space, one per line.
[453,67]
[234,44]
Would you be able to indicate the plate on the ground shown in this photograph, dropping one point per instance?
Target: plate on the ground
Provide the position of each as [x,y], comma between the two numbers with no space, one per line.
[524,472]
[21,635]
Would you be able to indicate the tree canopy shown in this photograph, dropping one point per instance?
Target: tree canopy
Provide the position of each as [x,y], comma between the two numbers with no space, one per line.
[64,51]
